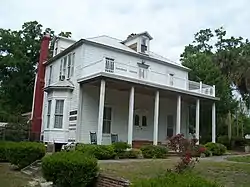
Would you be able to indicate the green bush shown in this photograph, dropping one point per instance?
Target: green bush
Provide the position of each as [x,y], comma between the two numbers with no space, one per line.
[120,147]
[239,142]
[133,153]
[66,169]
[216,148]
[154,151]
[23,154]
[101,152]
[3,153]
[175,180]
[225,141]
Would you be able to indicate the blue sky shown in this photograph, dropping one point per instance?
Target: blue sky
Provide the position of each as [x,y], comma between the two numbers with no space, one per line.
[172,23]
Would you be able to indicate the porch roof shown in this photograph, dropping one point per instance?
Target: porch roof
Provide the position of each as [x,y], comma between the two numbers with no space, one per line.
[121,83]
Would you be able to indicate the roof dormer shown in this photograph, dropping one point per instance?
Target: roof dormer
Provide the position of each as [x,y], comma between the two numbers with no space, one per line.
[138,42]
[61,43]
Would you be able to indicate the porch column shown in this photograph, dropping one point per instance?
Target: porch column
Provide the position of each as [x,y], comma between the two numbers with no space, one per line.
[197,121]
[213,123]
[156,117]
[178,115]
[100,114]
[131,115]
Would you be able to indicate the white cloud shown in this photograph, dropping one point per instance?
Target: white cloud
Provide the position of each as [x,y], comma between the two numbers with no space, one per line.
[171,23]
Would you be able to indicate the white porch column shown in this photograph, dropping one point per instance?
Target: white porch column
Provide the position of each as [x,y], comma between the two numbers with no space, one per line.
[178,115]
[131,115]
[100,114]
[213,123]
[197,121]
[156,117]
[79,114]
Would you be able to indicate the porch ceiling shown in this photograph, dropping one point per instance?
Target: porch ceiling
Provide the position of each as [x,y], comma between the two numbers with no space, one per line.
[147,90]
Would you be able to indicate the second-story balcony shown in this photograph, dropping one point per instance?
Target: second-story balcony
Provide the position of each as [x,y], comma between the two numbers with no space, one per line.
[146,75]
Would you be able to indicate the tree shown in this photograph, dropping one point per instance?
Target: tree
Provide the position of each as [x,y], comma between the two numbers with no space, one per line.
[221,61]
[19,54]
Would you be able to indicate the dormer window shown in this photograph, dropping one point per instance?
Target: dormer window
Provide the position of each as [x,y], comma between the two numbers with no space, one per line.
[144,47]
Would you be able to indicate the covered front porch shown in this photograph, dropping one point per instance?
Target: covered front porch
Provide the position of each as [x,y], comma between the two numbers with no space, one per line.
[136,113]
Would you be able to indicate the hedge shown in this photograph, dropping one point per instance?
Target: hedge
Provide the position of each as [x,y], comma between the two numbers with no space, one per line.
[3,153]
[216,148]
[70,169]
[101,152]
[171,179]
[154,151]
[23,154]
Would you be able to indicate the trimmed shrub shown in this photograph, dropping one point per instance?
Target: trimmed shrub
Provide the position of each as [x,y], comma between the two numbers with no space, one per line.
[171,179]
[3,153]
[239,142]
[101,152]
[120,147]
[133,153]
[216,148]
[225,141]
[23,154]
[68,169]
[154,151]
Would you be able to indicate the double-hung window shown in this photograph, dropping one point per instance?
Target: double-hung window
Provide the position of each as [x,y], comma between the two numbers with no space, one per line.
[59,114]
[48,113]
[50,74]
[69,66]
[107,120]
[72,64]
[109,65]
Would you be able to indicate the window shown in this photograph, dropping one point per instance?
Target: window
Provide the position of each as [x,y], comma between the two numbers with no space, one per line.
[144,121]
[107,120]
[170,126]
[48,113]
[142,73]
[171,79]
[64,65]
[60,75]
[69,66]
[72,64]
[137,120]
[50,74]
[109,65]
[143,45]
[59,114]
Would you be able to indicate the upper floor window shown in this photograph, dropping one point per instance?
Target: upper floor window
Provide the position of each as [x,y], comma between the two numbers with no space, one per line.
[171,79]
[109,65]
[50,74]
[144,45]
[67,66]
[59,114]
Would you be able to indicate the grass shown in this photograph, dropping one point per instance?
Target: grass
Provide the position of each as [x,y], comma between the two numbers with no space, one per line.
[228,174]
[245,159]
[10,178]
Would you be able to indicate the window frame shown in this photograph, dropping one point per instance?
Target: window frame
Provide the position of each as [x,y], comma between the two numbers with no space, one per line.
[69,57]
[49,113]
[59,116]
[72,64]
[50,74]
[109,65]
[107,121]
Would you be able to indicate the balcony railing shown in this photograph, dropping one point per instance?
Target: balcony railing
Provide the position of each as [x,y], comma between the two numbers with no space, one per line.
[147,75]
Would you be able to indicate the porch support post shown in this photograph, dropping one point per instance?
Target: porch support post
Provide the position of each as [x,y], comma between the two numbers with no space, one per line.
[178,115]
[197,121]
[131,115]
[213,123]
[100,114]
[156,117]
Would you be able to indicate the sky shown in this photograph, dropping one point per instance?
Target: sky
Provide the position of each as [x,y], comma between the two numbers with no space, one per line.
[171,23]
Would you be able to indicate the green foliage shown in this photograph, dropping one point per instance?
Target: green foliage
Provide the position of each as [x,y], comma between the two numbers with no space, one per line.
[154,151]
[245,159]
[101,152]
[3,150]
[131,154]
[171,179]
[120,147]
[23,154]
[69,169]
[239,142]
[216,148]
[19,54]
[225,141]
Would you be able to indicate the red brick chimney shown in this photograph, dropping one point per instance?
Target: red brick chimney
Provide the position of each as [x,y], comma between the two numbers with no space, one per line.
[38,90]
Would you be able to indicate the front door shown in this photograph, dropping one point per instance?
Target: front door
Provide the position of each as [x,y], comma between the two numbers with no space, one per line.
[170,125]
[107,121]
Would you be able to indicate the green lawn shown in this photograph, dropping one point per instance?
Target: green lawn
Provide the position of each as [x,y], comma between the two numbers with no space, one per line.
[240,159]
[228,174]
[10,178]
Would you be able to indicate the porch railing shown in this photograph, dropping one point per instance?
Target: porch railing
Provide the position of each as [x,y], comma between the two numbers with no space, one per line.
[147,75]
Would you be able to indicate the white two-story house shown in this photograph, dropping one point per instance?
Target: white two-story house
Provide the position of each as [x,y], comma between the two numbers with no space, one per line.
[107,86]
